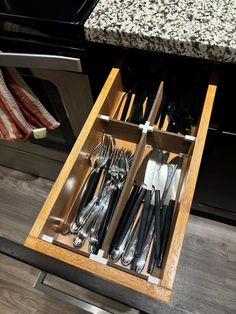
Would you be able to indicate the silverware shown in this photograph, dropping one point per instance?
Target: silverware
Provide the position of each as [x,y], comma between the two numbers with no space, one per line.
[102,152]
[138,264]
[94,218]
[129,250]
[116,253]
[131,208]
[159,183]
[90,220]
[168,207]
[154,164]
[118,171]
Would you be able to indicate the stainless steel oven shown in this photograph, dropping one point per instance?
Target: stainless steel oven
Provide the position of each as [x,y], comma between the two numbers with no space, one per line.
[46,44]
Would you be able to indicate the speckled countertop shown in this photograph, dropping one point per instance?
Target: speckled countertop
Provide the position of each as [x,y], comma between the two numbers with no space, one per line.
[198,28]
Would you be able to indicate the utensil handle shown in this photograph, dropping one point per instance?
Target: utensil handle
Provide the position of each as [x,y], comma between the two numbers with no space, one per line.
[148,222]
[117,196]
[153,255]
[143,222]
[166,231]
[126,106]
[163,216]
[158,221]
[125,214]
[136,112]
[89,190]
[104,225]
[131,217]
[139,263]
[105,174]
[157,238]
[129,250]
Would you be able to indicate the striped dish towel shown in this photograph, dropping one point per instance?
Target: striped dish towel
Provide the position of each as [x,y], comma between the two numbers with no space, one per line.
[8,129]
[10,106]
[28,100]
[20,110]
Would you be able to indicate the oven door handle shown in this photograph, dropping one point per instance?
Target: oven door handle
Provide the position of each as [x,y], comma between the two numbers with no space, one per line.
[52,62]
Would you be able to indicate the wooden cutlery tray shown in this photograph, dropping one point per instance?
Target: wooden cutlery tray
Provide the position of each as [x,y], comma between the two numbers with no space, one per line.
[49,233]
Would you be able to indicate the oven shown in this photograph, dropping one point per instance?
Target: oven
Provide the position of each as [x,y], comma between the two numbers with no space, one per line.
[45,43]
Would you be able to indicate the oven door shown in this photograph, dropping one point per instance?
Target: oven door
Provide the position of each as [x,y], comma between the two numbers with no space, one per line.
[62,87]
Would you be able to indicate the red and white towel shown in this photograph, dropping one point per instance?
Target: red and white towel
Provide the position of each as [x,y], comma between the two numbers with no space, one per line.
[8,129]
[20,110]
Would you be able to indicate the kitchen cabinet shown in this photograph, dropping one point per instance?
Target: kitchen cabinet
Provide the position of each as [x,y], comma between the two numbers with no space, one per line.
[215,192]
[46,246]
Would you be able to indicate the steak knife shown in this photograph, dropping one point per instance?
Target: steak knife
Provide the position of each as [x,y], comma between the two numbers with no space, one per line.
[168,207]
[154,163]
[131,208]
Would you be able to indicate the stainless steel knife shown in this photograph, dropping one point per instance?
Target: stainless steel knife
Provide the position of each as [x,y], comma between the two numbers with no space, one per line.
[153,166]
[131,210]
[168,208]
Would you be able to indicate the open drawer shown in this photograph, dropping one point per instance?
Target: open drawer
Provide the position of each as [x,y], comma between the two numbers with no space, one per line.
[49,233]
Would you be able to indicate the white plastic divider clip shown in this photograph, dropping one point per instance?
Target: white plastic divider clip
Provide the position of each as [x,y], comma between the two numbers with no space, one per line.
[104,117]
[146,127]
[99,257]
[190,138]
[39,133]
[47,238]
[154,280]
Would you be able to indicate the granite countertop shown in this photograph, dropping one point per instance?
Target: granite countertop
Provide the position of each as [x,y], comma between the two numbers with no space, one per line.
[197,28]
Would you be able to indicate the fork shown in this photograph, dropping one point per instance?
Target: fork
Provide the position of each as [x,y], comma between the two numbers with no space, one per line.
[103,151]
[118,171]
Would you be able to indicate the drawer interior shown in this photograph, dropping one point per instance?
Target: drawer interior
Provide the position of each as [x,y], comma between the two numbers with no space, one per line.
[60,208]
[66,205]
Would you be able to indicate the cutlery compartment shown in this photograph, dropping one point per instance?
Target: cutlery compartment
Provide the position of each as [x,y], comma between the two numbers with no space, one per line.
[114,97]
[172,145]
[185,85]
[48,234]
[66,205]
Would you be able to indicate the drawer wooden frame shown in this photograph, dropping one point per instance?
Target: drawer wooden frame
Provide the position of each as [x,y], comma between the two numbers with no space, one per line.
[106,104]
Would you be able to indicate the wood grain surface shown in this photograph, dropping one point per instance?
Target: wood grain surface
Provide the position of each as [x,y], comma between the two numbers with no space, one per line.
[21,199]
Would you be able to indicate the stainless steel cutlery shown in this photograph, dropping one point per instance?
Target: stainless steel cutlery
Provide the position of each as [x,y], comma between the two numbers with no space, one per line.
[146,219]
[98,201]
[148,212]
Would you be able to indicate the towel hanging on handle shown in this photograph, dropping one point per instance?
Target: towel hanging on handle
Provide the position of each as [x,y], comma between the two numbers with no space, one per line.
[28,100]
[21,112]
[11,108]
[8,129]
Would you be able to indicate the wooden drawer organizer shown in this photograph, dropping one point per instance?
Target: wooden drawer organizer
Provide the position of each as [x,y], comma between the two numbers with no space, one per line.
[48,233]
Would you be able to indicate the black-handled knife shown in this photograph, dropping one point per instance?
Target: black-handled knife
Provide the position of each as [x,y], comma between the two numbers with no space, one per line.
[131,218]
[168,206]
[143,223]
[166,231]
[132,206]
[127,210]
[152,171]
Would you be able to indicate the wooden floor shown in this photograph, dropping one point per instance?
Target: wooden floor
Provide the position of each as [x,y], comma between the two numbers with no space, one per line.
[205,282]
